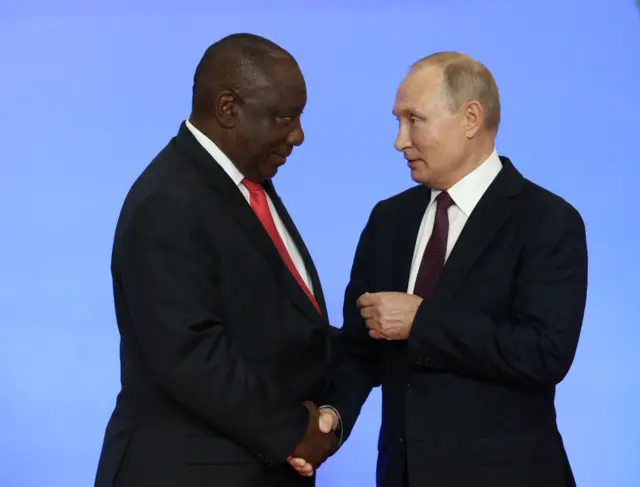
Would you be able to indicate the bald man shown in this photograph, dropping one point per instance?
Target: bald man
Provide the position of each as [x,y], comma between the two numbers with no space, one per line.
[466,299]
[225,342]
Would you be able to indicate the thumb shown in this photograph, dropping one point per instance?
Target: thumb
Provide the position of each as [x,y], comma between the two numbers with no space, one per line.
[326,422]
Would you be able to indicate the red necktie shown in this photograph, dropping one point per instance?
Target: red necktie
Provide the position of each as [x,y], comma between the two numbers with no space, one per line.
[258,199]
[434,255]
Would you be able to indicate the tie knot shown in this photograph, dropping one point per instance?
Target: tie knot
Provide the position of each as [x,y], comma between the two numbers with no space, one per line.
[444,201]
[252,187]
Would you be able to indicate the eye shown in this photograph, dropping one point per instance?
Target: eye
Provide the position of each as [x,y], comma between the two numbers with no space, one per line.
[284,120]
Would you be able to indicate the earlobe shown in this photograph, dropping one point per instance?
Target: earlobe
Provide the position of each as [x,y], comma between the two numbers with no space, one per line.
[226,109]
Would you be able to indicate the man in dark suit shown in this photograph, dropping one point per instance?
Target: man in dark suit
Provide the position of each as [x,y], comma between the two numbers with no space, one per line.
[225,343]
[468,353]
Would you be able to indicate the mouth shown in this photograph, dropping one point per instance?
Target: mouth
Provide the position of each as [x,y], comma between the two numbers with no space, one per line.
[279,158]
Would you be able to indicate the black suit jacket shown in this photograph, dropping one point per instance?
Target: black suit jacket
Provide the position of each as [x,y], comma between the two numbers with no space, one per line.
[468,400]
[219,344]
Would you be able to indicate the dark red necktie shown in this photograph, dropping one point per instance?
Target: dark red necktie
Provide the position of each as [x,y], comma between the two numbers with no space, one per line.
[260,206]
[434,255]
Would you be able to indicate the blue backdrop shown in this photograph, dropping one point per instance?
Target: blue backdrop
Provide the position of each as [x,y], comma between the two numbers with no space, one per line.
[91,90]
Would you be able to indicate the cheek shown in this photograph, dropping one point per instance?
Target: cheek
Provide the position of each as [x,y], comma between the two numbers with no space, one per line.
[425,139]
[256,130]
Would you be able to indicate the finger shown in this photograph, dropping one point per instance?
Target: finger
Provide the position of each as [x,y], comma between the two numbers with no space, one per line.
[377,335]
[326,422]
[297,462]
[373,324]
[367,312]
[306,472]
[301,466]
[364,300]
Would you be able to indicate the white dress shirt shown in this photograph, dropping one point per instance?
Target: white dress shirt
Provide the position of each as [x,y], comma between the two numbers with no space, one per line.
[465,195]
[236,176]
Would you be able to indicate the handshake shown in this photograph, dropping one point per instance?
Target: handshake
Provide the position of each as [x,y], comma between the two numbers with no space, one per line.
[319,441]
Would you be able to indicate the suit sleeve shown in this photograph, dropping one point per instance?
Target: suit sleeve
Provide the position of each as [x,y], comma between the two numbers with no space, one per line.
[358,368]
[168,275]
[538,345]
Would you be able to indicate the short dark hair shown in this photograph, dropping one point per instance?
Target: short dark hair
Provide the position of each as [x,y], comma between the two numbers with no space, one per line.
[234,62]
[465,79]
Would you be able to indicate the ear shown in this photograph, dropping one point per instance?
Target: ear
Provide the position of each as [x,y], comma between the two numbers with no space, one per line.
[473,114]
[227,109]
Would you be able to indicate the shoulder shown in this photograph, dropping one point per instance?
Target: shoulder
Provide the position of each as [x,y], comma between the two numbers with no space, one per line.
[165,194]
[169,172]
[544,207]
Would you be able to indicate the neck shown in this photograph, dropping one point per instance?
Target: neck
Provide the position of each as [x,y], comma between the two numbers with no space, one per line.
[221,138]
[475,156]
[207,129]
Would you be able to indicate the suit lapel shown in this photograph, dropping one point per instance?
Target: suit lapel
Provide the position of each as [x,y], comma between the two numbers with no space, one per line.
[491,212]
[241,211]
[409,220]
[296,291]
[246,219]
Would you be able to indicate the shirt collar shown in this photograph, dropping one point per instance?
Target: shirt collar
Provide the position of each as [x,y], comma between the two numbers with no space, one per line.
[467,192]
[214,151]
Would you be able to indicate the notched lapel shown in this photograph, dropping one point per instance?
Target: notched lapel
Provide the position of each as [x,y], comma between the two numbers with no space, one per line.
[300,298]
[490,214]
[247,220]
[241,211]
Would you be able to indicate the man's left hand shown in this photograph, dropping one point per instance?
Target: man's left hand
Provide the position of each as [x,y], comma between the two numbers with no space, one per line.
[389,315]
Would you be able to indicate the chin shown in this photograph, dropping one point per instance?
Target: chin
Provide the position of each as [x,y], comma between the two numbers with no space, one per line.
[270,172]
[420,176]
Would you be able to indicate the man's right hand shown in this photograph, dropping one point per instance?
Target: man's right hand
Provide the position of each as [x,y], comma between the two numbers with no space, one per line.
[316,445]
[327,422]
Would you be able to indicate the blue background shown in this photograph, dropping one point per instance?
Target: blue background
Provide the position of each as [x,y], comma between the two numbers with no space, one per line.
[91,90]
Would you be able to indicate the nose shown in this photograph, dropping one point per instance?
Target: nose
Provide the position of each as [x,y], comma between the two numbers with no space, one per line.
[403,140]
[296,135]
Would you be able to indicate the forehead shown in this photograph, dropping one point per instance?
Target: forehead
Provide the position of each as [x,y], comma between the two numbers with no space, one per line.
[420,89]
[284,86]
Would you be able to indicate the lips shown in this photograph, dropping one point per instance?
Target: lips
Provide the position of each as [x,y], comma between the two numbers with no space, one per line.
[280,158]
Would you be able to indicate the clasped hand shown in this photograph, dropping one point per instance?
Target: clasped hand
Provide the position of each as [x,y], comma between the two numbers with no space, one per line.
[389,315]
[319,442]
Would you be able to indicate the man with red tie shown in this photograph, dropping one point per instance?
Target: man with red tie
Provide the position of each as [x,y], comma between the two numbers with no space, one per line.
[465,301]
[225,343]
